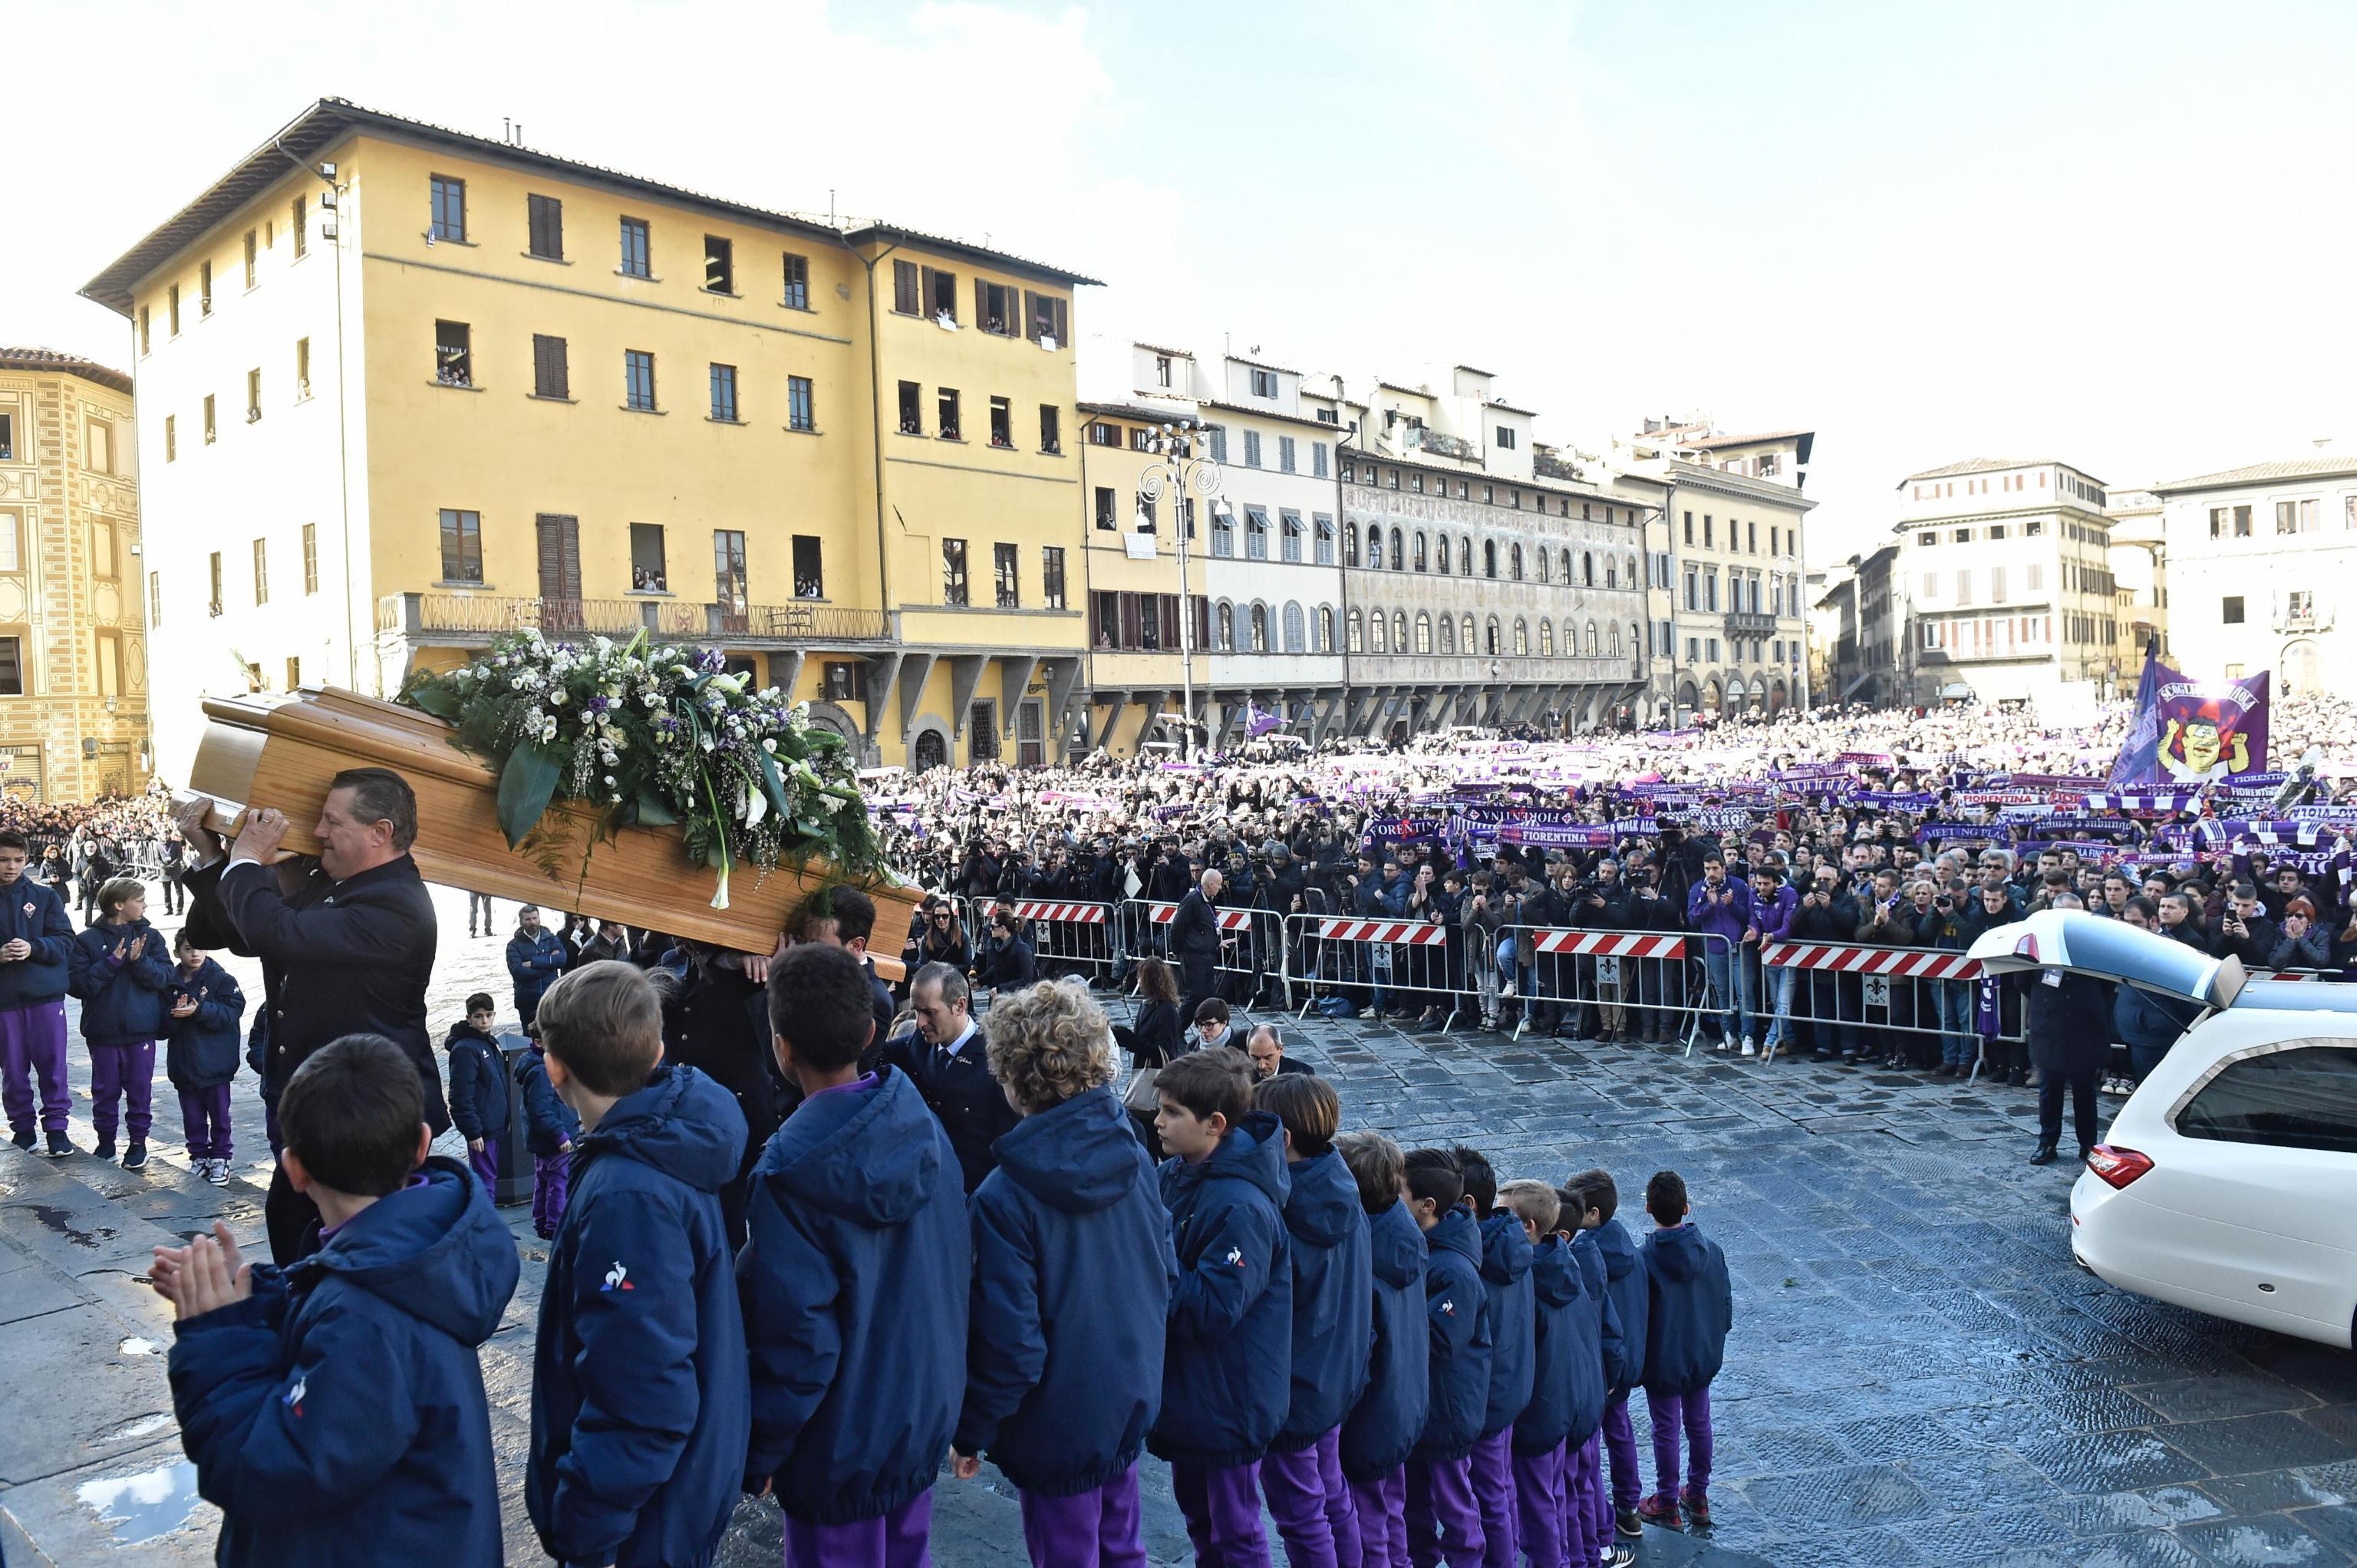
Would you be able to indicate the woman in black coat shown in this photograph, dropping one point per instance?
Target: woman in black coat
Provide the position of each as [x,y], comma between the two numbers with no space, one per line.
[1157,1038]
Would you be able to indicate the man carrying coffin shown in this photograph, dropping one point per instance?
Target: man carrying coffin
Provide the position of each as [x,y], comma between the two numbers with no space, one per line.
[348,949]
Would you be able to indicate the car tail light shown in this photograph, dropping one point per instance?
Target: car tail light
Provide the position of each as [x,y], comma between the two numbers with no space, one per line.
[2118,1167]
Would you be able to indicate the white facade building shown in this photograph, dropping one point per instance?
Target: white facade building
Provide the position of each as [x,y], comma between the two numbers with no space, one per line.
[2265,558]
[1488,581]
[1727,622]
[2004,568]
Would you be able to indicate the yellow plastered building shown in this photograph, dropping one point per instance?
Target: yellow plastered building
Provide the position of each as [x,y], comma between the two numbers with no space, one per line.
[402,388]
[74,655]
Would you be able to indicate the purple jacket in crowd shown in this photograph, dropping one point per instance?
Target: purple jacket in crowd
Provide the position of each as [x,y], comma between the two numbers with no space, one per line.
[1728,920]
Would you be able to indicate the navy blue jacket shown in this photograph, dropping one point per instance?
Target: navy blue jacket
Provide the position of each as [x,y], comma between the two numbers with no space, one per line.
[1567,1387]
[479,1083]
[1333,1298]
[639,1406]
[1227,1367]
[201,1048]
[123,999]
[1624,1272]
[855,1279]
[1389,1417]
[1070,1240]
[1506,1257]
[1594,1277]
[2140,1018]
[33,911]
[548,1122]
[1456,1317]
[533,963]
[1691,1310]
[336,1415]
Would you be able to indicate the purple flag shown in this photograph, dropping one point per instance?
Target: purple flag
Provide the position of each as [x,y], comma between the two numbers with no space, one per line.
[2193,732]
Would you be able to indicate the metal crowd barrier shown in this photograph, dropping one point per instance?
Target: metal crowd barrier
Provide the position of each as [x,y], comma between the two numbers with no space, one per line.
[1382,957]
[1068,936]
[1853,997]
[1641,985]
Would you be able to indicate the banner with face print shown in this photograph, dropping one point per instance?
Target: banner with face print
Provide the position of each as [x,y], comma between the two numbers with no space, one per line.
[2193,732]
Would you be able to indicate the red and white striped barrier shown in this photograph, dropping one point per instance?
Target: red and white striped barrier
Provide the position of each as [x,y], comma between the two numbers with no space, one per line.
[1042,909]
[1404,934]
[1230,920]
[1912,963]
[1609,944]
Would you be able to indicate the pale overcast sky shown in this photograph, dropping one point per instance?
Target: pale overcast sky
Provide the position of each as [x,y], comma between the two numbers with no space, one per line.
[2119,235]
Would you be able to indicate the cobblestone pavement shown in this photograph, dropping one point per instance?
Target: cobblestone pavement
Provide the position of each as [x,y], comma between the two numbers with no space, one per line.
[1919,1373]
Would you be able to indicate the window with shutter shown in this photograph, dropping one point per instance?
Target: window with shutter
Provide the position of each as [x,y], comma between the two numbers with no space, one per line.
[906,298]
[1043,317]
[550,370]
[545,223]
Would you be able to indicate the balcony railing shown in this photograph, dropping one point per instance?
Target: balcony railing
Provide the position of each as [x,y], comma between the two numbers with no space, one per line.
[1750,623]
[480,617]
[2303,618]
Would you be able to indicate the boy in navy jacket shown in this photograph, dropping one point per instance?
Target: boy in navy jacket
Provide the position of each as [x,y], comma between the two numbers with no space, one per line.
[201,1055]
[1072,1276]
[638,1405]
[1384,1425]
[1333,1308]
[478,1087]
[37,942]
[1227,1364]
[1566,1360]
[1587,1501]
[1506,1255]
[1624,1271]
[550,1128]
[335,1407]
[1689,1316]
[855,1279]
[120,970]
[1443,1521]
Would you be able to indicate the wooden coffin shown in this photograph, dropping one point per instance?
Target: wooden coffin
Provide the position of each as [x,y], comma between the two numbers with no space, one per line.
[282,751]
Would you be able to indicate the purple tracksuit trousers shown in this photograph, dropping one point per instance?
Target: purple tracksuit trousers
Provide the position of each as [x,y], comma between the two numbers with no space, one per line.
[1670,1414]
[896,1539]
[1444,1525]
[1620,1448]
[1382,1508]
[1538,1507]
[485,1162]
[1493,1494]
[33,1045]
[1100,1528]
[128,1073]
[1315,1515]
[1588,1512]
[204,1122]
[1222,1510]
[551,1176]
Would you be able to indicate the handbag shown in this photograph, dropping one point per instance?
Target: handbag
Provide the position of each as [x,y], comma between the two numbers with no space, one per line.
[1139,1095]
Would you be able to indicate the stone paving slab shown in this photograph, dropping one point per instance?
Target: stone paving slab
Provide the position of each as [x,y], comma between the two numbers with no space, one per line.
[1919,1373]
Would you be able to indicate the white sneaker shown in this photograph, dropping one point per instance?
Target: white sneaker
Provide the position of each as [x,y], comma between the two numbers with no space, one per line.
[1721,1046]
[217,1172]
[1748,1049]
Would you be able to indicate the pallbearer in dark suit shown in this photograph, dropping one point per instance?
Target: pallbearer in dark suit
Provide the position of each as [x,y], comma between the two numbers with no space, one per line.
[1195,942]
[945,1059]
[351,949]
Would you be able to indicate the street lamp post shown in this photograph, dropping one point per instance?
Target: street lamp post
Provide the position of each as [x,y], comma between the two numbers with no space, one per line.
[1177,469]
